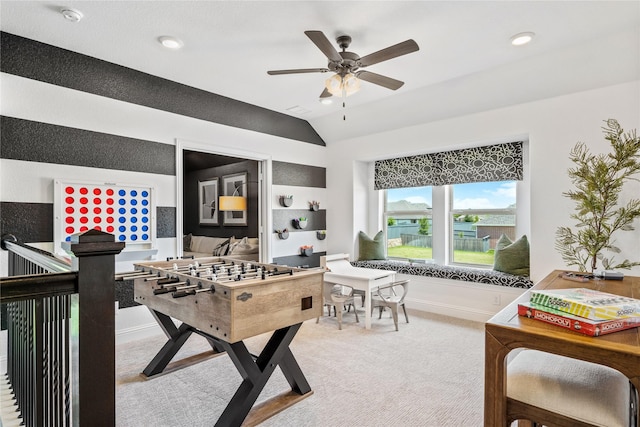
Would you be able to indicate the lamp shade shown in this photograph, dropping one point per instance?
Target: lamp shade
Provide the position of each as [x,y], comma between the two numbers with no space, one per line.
[232,203]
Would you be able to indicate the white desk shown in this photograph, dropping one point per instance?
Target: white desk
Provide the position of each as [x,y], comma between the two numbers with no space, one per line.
[341,272]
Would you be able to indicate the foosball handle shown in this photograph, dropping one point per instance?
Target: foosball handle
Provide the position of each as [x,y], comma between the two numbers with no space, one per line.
[167,281]
[180,294]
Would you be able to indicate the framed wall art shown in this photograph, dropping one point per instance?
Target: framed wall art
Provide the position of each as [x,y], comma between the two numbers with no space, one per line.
[235,185]
[208,200]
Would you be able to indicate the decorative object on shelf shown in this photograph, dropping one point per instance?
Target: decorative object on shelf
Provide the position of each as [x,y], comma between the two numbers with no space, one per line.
[286,201]
[300,222]
[321,234]
[314,206]
[283,234]
[306,250]
[599,179]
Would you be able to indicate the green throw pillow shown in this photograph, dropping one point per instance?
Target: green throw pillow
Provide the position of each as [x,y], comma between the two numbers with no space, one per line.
[371,248]
[512,257]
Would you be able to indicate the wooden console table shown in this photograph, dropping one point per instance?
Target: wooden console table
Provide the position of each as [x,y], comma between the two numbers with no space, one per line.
[506,331]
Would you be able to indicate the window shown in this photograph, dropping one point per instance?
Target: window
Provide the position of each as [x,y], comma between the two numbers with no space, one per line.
[451,206]
[476,216]
[408,219]
[481,212]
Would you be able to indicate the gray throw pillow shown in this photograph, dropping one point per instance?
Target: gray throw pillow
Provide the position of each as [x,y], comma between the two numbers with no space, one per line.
[512,257]
[370,248]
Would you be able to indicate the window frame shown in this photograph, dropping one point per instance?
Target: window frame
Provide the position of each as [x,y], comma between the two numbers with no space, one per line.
[442,250]
[386,214]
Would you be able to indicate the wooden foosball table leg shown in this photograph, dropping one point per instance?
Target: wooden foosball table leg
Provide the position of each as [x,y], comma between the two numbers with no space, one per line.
[256,373]
[177,337]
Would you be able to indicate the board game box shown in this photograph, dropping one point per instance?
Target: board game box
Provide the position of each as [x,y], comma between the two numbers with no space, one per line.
[588,303]
[574,323]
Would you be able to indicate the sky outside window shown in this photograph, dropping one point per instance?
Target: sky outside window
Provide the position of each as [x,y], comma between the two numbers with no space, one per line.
[484,195]
[479,195]
[413,195]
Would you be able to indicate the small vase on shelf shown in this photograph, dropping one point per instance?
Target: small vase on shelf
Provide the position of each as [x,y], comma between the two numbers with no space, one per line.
[300,223]
[286,201]
[321,235]
[314,206]
[306,250]
[283,234]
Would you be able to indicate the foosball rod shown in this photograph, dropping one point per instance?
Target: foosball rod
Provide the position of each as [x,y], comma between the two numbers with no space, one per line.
[133,275]
[190,266]
[168,289]
[163,280]
[184,293]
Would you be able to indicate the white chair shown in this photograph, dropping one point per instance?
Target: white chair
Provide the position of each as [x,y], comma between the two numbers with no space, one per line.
[338,296]
[551,390]
[391,296]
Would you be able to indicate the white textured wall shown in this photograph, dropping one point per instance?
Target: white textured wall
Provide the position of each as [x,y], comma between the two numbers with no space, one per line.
[552,126]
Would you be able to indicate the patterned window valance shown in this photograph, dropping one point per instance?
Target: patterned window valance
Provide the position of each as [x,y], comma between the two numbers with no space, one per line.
[500,162]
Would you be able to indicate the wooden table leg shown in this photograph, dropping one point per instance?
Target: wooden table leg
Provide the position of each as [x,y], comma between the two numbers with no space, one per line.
[177,336]
[495,382]
[256,373]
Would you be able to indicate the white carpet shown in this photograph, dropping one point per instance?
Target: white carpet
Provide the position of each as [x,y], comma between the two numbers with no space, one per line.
[430,373]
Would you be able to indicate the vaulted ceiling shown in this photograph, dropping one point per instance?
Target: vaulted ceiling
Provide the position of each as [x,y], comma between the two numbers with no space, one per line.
[465,62]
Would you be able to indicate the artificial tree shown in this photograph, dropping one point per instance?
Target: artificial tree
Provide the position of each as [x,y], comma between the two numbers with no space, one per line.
[599,179]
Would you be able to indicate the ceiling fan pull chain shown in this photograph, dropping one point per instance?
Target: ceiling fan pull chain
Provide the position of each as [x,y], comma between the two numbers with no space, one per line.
[344,99]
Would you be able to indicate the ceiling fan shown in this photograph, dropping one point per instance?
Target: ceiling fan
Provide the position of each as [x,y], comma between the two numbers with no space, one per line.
[347,66]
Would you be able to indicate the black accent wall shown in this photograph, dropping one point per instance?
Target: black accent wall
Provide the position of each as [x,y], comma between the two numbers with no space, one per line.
[33,141]
[42,142]
[191,204]
[39,61]
[298,175]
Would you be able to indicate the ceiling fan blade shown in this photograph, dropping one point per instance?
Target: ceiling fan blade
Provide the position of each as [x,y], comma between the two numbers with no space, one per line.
[323,43]
[298,71]
[381,80]
[325,93]
[391,52]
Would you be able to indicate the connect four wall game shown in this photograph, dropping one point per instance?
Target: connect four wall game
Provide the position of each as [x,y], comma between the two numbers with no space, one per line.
[126,211]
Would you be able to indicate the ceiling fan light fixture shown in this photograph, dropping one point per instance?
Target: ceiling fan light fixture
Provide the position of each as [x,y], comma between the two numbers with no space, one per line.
[338,85]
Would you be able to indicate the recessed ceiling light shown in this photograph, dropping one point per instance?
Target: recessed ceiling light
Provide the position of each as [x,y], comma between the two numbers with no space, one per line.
[326,101]
[72,15]
[170,42]
[522,38]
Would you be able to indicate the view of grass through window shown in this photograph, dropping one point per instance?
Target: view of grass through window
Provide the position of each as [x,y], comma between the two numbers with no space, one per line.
[480,214]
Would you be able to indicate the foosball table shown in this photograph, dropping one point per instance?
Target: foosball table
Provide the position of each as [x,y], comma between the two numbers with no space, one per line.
[227,301]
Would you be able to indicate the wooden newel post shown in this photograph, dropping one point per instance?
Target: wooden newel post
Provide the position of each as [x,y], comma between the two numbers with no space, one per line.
[95,252]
